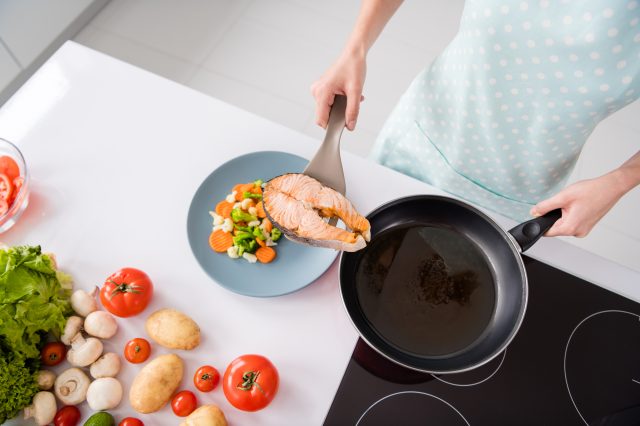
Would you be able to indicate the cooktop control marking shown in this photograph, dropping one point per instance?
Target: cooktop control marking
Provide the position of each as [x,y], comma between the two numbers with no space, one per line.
[411,392]
[504,354]
[566,349]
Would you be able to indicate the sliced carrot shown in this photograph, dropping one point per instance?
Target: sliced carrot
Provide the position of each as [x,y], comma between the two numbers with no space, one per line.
[220,241]
[265,254]
[268,226]
[223,208]
[261,243]
[256,190]
[260,210]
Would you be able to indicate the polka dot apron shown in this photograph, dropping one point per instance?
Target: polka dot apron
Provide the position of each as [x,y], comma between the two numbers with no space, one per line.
[502,114]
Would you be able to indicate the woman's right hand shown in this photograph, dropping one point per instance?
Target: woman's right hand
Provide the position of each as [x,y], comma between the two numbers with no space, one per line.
[345,77]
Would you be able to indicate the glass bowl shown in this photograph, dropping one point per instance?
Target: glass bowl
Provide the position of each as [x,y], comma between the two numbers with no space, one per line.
[18,195]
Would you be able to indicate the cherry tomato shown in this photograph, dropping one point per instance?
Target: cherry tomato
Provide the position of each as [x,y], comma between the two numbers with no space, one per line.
[130,421]
[69,415]
[206,378]
[53,353]
[126,292]
[250,382]
[6,188]
[184,403]
[9,167]
[137,350]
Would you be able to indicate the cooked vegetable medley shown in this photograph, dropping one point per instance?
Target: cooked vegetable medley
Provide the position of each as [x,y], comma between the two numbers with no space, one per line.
[241,227]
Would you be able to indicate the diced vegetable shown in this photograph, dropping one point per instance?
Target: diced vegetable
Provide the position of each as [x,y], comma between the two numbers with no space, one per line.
[257,232]
[258,182]
[237,215]
[251,258]
[276,234]
[247,194]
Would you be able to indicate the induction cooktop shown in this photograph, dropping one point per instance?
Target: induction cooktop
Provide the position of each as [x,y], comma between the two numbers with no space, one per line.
[575,361]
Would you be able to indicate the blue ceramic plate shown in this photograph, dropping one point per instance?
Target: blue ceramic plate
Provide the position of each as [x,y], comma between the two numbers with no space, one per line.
[296,265]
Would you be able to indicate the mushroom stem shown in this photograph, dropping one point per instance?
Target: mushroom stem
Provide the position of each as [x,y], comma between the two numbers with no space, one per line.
[71,328]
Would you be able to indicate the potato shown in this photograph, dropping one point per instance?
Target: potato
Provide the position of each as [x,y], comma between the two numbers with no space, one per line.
[173,329]
[155,383]
[206,415]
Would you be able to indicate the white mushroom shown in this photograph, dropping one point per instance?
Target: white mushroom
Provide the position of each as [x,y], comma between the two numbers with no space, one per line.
[84,303]
[100,324]
[108,365]
[42,409]
[83,351]
[46,379]
[104,394]
[71,386]
[71,328]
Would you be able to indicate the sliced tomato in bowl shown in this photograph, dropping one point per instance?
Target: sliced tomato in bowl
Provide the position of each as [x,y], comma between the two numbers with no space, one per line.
[6,188]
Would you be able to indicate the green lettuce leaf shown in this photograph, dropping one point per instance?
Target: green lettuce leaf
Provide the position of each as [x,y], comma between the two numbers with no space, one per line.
[32,300]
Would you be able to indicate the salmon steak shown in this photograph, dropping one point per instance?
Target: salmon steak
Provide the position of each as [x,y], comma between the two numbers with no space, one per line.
[297,204]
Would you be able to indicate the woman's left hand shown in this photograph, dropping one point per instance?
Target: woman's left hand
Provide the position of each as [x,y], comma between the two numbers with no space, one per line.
[583,204]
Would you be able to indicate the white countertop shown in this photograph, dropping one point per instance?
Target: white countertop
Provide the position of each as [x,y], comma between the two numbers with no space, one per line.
[116,153]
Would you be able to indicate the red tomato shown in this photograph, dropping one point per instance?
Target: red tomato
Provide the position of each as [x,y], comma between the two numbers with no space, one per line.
[6,187]
[9,167]
[184,403]
[4,206]
[137,350]
[69,415]
[206,378]
[250,382]
[53,353]
[126,292]
[130,421]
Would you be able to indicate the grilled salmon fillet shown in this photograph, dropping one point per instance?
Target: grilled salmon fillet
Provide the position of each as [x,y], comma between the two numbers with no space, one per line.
[297,204]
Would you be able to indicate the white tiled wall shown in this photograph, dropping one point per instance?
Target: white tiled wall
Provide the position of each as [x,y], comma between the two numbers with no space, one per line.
[262,55]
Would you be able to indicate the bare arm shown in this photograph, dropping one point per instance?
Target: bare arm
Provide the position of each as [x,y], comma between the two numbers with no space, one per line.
[346,76]
[584,203]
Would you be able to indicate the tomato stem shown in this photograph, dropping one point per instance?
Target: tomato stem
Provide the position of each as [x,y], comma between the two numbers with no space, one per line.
[124,288]
[250,379]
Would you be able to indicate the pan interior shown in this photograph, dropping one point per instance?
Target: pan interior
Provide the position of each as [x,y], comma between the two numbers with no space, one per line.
[427,290]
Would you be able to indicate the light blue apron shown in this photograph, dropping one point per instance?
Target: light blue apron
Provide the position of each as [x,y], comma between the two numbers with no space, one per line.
[501,116]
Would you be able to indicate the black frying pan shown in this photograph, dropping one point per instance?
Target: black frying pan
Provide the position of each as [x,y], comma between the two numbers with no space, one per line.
[441,288]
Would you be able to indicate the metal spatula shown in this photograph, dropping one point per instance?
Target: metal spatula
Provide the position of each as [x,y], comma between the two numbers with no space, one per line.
[326,165]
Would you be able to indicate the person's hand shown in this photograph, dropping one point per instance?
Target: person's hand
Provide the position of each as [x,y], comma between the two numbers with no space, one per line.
[345,77]
[583,204]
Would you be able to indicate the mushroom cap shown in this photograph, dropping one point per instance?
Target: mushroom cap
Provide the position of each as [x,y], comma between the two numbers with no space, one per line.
[42,409]
[71,386]
[83,351]
[108,365]
[100,324]
[46,378]
[104,394]
[83,303]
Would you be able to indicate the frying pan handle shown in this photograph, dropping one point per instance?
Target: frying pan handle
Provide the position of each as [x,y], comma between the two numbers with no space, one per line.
[527,233]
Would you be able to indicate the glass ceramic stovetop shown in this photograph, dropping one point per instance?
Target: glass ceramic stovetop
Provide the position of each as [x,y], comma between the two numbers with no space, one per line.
[575,361]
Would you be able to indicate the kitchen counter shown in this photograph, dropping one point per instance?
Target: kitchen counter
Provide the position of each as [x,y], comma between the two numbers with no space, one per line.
[116,153]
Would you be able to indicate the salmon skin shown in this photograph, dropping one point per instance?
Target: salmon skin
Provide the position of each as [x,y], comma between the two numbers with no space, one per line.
[297,205]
